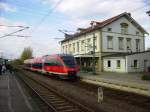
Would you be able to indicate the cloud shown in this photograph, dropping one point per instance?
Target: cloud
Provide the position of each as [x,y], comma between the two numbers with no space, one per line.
[7,7]
[79,10]
[87,8]
[82,12]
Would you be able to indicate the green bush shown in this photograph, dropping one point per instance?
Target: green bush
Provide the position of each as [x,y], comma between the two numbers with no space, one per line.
[146,77]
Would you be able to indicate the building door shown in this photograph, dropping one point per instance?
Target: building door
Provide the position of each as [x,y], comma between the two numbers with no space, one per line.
[145,66]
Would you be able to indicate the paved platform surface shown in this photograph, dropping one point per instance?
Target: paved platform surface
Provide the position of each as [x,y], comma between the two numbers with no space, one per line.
[12,98]
[131,81]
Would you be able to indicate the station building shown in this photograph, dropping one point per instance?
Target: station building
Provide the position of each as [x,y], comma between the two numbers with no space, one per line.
[117,44]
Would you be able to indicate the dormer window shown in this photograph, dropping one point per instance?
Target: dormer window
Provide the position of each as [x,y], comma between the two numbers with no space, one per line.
[137,33]
[124,28]
[109,29]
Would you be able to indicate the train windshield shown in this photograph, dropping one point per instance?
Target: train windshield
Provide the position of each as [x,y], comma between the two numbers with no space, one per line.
[69,61]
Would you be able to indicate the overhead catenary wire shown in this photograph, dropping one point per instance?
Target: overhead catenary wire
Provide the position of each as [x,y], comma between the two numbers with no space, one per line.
[139,8]
[9,34]
[19,35]
[13,26]
[45,16]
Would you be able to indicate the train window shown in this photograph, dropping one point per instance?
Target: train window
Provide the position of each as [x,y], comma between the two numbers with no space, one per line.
[69,61]
[37,65]
[53,62]
[58,63]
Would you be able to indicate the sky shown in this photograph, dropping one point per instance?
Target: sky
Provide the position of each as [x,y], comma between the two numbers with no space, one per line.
[45,17]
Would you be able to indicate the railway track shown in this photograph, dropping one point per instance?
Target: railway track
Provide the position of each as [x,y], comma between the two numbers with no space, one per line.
[53,101]
[129,99]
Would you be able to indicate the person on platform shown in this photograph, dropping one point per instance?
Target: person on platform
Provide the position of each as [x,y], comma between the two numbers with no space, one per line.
[3,68]
[9,68]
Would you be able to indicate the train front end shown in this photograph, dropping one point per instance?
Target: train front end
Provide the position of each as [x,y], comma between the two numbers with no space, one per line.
[70,66]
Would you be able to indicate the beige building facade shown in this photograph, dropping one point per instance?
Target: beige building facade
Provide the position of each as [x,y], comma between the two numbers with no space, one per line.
[119,34]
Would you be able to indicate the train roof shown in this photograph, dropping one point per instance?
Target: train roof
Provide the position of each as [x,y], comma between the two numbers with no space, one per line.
[39,59]
[64,55]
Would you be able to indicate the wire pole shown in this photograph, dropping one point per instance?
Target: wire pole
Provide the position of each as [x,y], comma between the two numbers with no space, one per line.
[94,71]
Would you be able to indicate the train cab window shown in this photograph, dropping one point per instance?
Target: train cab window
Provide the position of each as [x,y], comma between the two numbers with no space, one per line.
[69,61]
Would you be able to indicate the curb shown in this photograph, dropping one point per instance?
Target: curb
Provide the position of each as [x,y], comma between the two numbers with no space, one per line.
[124,87]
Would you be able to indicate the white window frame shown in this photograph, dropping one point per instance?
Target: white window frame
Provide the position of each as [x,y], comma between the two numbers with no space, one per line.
[124,28]
[74,47]
[110,42]
[137,42]
[70,46]
[135,65]
[120,43]
[82,45]
[78,46]
[108,63]
[95,43]
[128,42]
[118,63]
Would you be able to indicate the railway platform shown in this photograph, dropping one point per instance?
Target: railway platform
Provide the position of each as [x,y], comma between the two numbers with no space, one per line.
[130,82]
[12,97]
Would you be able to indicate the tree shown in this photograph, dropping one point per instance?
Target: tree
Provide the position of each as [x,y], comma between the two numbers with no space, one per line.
[26,54]
[16,62]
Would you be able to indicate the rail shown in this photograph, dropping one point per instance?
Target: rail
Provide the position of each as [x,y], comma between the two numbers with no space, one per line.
[55,100]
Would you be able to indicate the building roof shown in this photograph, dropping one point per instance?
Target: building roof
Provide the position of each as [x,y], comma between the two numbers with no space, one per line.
[99,25]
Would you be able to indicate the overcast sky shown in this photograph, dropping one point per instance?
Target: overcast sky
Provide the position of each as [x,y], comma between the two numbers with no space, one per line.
[46,17]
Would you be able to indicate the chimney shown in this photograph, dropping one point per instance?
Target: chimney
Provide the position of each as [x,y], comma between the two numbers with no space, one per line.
[129,14]
[94,23]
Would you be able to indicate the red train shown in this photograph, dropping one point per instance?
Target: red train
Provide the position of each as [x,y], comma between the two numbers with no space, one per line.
[62,65]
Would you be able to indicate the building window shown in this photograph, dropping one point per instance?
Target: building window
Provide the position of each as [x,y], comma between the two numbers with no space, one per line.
[82,45]
[124,28]
[135,64]
[109,29]
[108,63]
[110,42]
[77,46]
[128,43]
[95,42]
[70,48]
[66,49]
[89,44]
[118,64]
[73,47]
[89,41]
[121,46]
[63,49]
[137,45]
[137,33]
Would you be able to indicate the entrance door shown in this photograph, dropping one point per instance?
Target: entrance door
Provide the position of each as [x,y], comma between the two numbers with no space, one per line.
[145,65]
